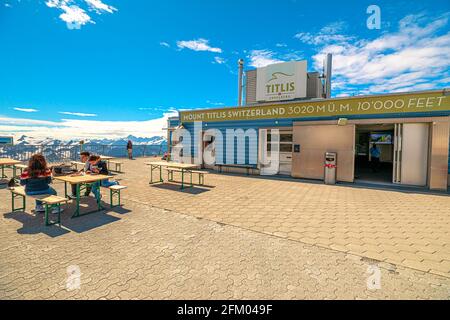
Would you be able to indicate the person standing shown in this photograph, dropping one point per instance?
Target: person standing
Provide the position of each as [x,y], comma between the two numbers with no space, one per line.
[375,155]
[130,150]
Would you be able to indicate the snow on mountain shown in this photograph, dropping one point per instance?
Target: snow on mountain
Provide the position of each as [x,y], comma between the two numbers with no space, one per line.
[27,140]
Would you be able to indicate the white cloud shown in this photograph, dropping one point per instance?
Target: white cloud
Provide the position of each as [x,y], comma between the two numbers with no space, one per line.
[78,114]
[262,58]
[416,57]
[219,60]
[74,14]
[215,103]
[25,109]
[328,34]
[98,6]
[319,39]
[68,129]
[198,45]
[164,44]
[334,27]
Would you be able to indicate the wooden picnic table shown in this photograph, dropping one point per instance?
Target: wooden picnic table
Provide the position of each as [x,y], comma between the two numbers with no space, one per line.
[107,159]
[7,163]
[184,167]
[81,182]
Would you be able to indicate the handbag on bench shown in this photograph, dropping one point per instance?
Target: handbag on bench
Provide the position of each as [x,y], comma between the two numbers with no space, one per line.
[11,183]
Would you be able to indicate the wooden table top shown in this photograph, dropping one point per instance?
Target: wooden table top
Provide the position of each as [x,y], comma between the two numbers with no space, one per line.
[88,178]
[173,164]
[106,157]
[8,162]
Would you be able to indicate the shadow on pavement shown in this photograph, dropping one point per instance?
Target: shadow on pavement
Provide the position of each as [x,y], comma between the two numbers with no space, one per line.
[34,223]
[175,186]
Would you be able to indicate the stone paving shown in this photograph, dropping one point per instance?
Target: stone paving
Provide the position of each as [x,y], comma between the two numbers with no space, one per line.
[170,244]
[408,229]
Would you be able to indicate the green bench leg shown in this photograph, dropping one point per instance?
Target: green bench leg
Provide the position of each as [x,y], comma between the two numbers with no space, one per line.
[48,207]
[113,193]
[13,197]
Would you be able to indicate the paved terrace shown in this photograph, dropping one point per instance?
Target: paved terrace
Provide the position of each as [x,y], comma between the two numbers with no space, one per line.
[241,237]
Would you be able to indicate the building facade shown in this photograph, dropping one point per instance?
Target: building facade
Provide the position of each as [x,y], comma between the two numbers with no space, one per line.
[411,131]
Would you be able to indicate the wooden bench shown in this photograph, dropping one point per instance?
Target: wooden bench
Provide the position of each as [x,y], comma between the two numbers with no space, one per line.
[244,166]
[49,201]
[115,191]
[117,164]
[21,167]
[201,174]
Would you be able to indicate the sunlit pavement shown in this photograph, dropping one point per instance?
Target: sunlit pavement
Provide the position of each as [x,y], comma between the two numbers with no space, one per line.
[238,237]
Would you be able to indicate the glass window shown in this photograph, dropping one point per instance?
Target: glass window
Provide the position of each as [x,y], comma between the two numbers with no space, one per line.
[286,137]
[285,147]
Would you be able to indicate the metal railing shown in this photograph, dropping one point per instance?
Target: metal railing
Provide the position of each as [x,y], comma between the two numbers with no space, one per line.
[55,153]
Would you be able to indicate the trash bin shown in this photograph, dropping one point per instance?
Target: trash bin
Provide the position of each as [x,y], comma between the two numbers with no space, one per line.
[330,167]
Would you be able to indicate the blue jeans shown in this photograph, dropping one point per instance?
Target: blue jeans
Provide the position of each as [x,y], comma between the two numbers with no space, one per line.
[50,190]
[104,183]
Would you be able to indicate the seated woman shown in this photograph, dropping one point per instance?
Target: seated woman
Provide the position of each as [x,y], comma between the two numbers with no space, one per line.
[100,167]
[36,179]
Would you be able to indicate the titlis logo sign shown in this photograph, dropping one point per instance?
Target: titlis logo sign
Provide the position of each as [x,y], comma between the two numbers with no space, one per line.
[280,88]
[281,81]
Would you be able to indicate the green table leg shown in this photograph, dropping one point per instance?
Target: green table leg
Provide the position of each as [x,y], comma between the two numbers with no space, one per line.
[77,209]
[47,222]
[65,189]
[182,179]
[99,205]
[151,174]
[14,173]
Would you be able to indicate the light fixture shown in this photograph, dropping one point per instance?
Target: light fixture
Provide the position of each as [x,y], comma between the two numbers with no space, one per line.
[342,121]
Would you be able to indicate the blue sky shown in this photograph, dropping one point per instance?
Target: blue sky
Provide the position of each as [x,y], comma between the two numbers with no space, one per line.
[82,68]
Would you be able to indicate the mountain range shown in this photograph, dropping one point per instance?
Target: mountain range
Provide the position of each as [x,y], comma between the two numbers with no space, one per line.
[28,140]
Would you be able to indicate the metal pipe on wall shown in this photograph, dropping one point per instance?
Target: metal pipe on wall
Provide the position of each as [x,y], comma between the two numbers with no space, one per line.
[241,72]
[328,70]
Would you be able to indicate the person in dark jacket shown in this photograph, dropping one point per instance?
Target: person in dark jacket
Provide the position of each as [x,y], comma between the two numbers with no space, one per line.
[130,150]
[100,167]
[37,178]
[84,157]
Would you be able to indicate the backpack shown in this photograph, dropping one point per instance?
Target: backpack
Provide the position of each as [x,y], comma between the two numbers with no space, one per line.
[11,183]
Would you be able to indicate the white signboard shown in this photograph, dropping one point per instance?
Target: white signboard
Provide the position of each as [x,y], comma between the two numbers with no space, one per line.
[281,81]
